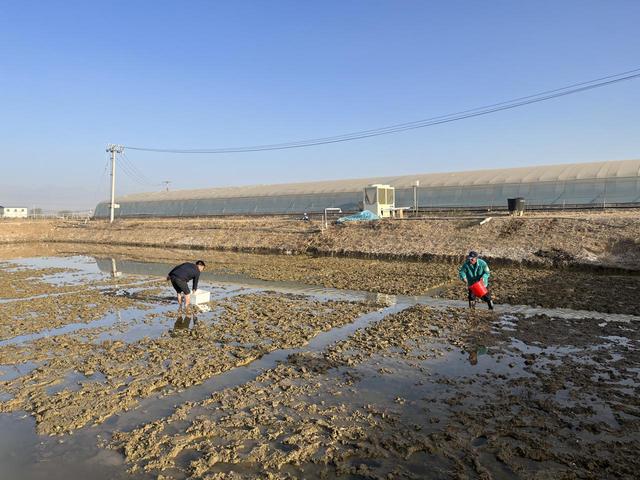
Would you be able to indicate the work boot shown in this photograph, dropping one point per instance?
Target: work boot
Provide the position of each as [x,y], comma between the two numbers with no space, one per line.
[490,304]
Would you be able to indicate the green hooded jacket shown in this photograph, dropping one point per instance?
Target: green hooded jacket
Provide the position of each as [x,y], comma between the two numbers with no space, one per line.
[473,273]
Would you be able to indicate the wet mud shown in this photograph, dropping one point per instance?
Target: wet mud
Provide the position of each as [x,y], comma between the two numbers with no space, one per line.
[31,301]
[16,282]
[559,288]
[383,404]
[54,311]
[426,392]
[513,284]
[547,287]
[80,382]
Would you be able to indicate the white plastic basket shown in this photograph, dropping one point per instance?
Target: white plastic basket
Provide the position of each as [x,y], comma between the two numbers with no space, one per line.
[200,296]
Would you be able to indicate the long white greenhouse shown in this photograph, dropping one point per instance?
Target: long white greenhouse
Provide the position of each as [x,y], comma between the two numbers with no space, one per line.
[578,184]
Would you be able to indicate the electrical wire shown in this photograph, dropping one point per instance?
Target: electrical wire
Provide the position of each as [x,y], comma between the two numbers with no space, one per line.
[124,168]
[475,112]
[139,173]
[130,170]
[134,173]
[98,192]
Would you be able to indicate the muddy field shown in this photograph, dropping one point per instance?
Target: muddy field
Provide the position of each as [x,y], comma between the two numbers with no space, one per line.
[312,367]
[394,401]
[536,286]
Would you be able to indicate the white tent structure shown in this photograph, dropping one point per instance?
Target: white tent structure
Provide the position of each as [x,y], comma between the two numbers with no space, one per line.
[578,184]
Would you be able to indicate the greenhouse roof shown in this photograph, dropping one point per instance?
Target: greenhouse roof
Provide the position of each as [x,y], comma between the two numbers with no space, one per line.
[542,173]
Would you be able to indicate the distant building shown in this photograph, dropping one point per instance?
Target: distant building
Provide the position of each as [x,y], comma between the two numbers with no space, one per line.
[13,212]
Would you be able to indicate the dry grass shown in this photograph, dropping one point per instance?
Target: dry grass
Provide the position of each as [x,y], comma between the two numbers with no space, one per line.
[594,238]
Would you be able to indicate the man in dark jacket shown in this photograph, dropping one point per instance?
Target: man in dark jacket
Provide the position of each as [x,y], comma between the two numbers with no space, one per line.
[179,277]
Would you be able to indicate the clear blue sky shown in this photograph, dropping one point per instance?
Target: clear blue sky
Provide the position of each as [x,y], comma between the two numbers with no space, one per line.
[76,75]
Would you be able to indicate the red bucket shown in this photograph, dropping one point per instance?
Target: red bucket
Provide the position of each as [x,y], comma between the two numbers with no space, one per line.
[478,289]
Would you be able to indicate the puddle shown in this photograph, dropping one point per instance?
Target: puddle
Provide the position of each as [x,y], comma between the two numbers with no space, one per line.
[27,456]
[82,269]
[109,320]
[9,372]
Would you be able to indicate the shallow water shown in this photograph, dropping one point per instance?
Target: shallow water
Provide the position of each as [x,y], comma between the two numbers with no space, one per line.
[25,455]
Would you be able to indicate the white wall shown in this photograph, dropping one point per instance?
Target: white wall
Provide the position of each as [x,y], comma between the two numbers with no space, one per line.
[13,212]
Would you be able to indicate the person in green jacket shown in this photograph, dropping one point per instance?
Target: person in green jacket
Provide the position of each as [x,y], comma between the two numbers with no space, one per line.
[471,271]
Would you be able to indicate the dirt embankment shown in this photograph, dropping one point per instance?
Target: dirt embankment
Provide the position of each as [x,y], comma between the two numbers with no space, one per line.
[610,239]
[16,231]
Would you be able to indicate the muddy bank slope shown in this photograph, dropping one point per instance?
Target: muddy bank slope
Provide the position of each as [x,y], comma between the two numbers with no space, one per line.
[609,239]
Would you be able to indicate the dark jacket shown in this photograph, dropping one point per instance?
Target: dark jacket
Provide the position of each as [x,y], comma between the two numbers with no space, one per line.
[187,271]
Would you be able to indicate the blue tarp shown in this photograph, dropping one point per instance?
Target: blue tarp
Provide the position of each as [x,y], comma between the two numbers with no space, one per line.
[363,216]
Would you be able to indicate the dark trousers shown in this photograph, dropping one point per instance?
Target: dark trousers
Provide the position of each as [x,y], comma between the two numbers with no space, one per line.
[473,298]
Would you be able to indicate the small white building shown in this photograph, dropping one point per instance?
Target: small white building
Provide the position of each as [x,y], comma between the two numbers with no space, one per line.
[13,212]
[379,199]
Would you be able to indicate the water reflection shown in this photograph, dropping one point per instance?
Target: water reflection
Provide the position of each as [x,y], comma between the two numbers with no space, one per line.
[114,269]
[184,320]
[475,352]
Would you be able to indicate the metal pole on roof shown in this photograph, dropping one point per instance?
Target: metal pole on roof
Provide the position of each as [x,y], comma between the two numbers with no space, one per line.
[113,149]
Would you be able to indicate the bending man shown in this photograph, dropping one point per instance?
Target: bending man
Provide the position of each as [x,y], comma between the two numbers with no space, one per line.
[473,270]
[179,277]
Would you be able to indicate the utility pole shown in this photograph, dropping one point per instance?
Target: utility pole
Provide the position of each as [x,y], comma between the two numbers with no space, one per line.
[113,149]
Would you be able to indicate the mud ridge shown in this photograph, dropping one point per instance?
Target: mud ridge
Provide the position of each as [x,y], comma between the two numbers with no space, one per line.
[546,260]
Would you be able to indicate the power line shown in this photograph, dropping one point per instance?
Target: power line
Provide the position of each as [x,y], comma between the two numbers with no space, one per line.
[128,167]
[452,117]
[101,186]
[139,173]
[134,173]
[127,171]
